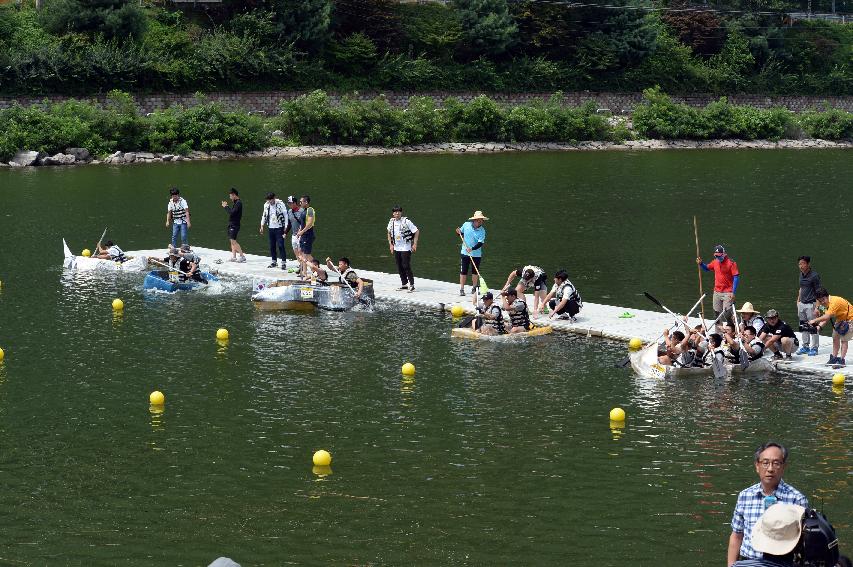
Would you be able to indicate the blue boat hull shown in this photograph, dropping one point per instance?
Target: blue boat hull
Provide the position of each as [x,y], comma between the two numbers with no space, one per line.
[159,280]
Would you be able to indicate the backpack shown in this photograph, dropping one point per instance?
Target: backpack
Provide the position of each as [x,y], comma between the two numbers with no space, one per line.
[819,544]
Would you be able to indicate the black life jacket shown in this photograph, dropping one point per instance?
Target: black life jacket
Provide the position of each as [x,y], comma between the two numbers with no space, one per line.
[498,322]
[178,212]
[520,317]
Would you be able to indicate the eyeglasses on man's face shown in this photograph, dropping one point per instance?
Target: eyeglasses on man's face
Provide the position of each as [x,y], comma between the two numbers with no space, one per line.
[767,463]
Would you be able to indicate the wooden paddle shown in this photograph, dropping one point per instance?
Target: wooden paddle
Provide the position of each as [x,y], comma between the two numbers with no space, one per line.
[98,245]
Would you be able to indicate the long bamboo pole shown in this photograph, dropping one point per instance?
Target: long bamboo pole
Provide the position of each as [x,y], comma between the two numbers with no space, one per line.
[698,269]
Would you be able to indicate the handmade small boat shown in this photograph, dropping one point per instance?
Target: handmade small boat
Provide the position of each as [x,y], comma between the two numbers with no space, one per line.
[164,280]
[304,295]
[87,263]
[469,333]
[645,363]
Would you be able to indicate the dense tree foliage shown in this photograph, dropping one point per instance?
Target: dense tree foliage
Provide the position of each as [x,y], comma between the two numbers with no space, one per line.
[84,46]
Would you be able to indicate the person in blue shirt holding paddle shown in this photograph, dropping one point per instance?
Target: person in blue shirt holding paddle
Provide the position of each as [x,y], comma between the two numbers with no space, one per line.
[473,236]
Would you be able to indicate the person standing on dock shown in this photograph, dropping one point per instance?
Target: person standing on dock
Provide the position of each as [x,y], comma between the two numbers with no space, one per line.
[473,238]
[770,462]
[235,214]
[306,233]
[806,298]
[275,217]
[726,278]
[839,308]
[403,242]
[295,221]
[178,215]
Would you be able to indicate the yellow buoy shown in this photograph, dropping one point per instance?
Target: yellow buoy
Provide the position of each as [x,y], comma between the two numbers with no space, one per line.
[2,355]
[635,344]
[617,414]
[322,458]
[222,334]
[87,252]
[157,398]
[457,311]
[118,304]
[838,379]
[408,369]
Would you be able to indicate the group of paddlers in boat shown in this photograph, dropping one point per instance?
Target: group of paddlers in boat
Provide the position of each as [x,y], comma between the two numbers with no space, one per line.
[564,300]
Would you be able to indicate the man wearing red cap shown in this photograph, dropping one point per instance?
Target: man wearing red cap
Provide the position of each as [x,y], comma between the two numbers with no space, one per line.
[726,277]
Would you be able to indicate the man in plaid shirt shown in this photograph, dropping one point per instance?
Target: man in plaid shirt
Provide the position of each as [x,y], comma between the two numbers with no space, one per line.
[770,461]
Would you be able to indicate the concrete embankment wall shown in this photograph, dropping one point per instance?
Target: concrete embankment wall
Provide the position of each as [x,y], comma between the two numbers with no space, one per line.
[267,103]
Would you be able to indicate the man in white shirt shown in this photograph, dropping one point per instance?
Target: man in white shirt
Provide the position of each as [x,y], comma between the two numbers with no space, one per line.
[402,242]
[178,215]
[275,218]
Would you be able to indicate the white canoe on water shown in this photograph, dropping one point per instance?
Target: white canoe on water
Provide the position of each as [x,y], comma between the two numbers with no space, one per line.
[84,263]
[645,363]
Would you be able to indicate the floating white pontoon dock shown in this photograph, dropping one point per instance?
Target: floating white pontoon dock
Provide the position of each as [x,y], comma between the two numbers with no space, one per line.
[594,320]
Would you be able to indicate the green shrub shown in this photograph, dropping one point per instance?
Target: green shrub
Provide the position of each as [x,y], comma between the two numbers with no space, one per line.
[831,124]
[423,122]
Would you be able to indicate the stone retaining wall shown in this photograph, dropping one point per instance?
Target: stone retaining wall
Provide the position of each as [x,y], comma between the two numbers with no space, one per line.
[266,103]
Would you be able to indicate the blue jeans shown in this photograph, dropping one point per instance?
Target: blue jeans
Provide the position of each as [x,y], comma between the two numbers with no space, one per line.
[277,240]
[183,230]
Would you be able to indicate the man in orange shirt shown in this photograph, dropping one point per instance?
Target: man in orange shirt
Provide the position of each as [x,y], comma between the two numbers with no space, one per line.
[726,277]
[842,331]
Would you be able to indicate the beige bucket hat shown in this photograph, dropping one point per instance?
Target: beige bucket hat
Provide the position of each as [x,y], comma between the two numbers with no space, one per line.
[478,215]
[747,308]
[778,529]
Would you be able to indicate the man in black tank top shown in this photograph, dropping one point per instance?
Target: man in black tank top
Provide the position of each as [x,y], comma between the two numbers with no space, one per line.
[235,215]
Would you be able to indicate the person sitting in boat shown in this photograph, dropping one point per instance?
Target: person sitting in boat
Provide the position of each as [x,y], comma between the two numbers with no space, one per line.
[732,342]
[347,276]
[490,316]
[699,343]
[676,351]
[753,346]
[715,348]
[531,277]
[778,336]
[110,251]
[519,316]
[316,273]
[750,317]
[190,264]
[563,299]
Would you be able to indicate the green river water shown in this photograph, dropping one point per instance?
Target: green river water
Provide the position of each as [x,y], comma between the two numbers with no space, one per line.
[490,454]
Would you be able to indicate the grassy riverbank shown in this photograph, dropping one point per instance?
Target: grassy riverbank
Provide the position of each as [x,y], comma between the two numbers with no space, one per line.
[313,120]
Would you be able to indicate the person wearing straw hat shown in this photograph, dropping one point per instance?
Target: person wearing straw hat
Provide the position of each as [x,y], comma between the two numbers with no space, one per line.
[771,460]
[776,535]
[750,318]
[473,237]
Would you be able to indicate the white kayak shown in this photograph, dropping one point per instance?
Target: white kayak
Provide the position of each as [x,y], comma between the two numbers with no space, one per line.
[85,263]
[645,363]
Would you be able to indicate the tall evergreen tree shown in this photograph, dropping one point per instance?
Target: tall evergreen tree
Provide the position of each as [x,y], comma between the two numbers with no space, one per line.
[305,23]
[114,19]
[487,26]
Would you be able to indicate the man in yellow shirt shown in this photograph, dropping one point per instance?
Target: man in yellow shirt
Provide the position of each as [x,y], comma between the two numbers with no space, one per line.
[841,311]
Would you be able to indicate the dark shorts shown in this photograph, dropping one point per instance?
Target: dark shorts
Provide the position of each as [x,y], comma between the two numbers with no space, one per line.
[233,230]
[306,242]
[465,263]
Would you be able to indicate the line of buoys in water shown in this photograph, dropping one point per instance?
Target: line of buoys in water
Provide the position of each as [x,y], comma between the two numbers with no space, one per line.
[408,369]
[157,398]
[635,343]
[118,304]
[838,379]
[617,414]
[457,311]
[87,253]
[222,334]
[322,458]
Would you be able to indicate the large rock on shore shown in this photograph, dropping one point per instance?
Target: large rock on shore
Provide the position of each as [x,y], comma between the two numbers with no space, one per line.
[58,159]
[26,158]
[80,154]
